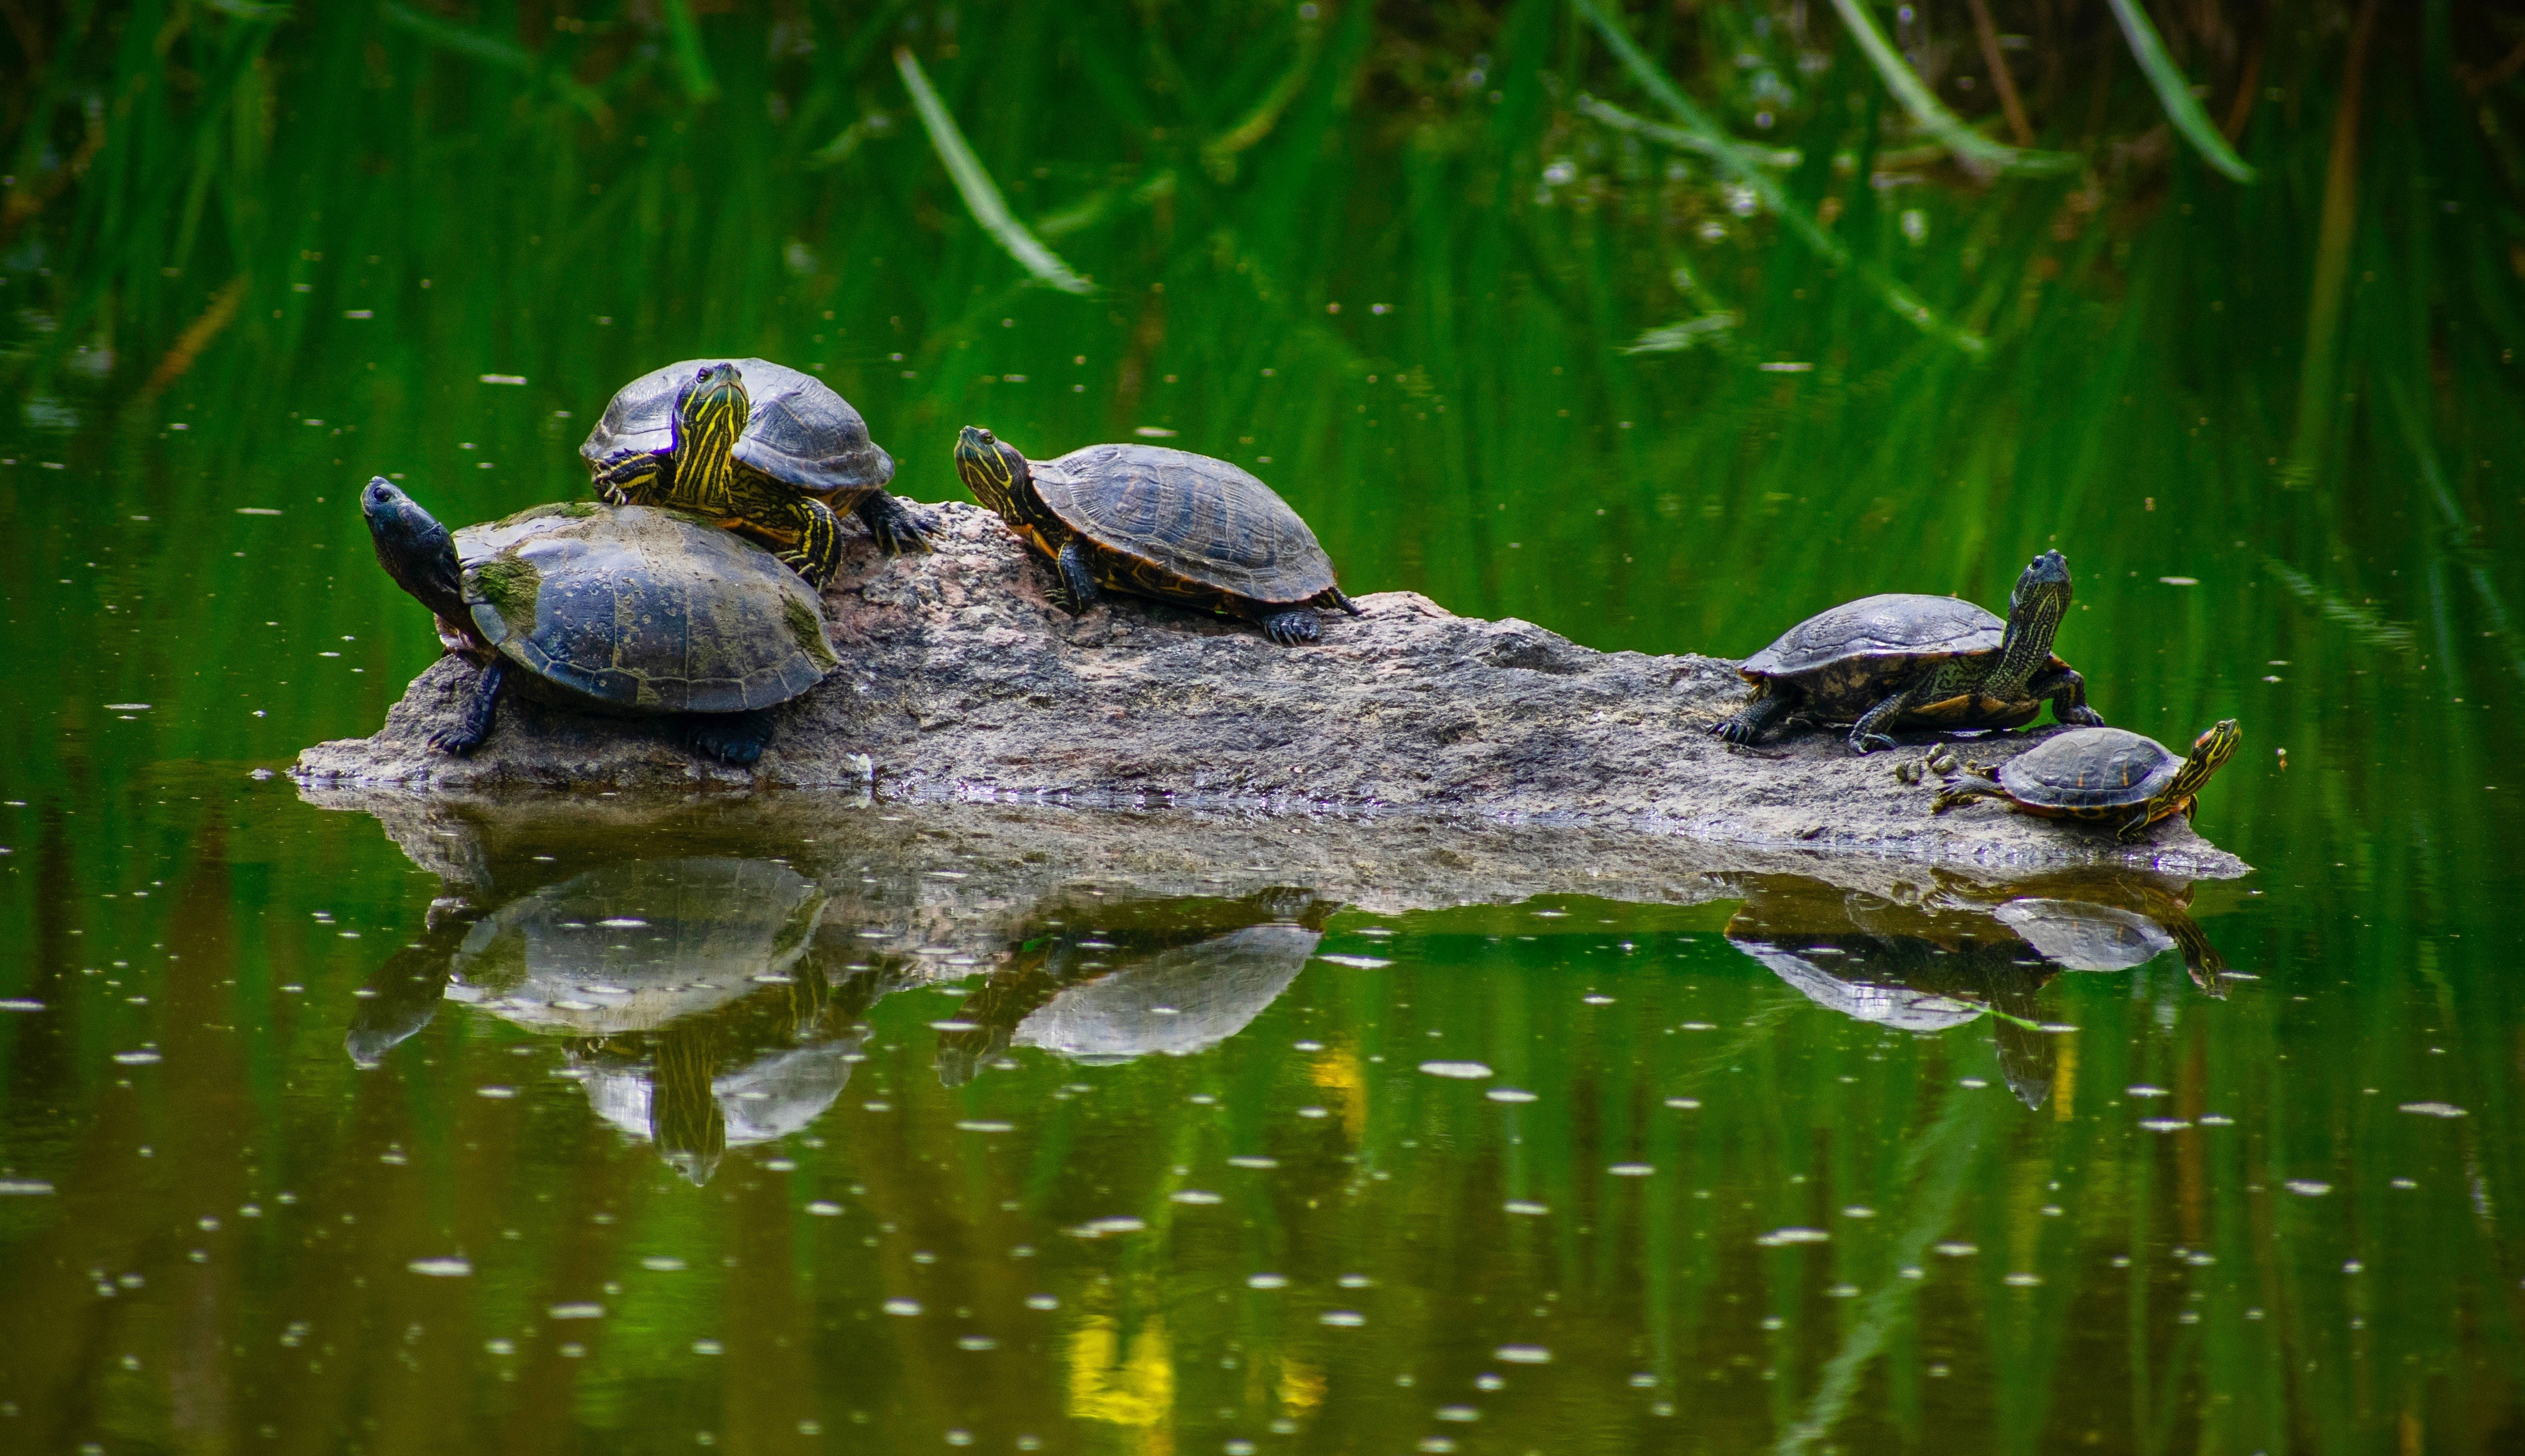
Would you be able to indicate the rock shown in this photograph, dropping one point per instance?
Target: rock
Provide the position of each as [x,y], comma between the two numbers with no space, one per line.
[960,683]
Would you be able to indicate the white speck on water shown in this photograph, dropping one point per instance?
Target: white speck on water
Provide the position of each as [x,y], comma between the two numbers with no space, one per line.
[955,1026]
[24,1188]
[976,1342]
[1466,1070]
[2180,581]
[905,1307]
[2434,1110]
[1955,1248]
[1459,1413]
[1343,1319]
[1699,1026]
[1101,1227]
[1314,1112]
[708,1347]
[1357,962]
[1042,1302]
[2164,1124]
[2144,1090]
[1975,1083]
[1596,1001]
[1152,432]
[2022,1279]
[1193,1195]
[1688,1104]
[1782,1238]
[1267,1281]
[1521,1205]
[2216,1120]
[141,1058]
[495,1092]
[662,1264]
[624,922]
[579,1311]
[504,378]
[1307,1046]
[1631,1170]
[1522,1354]
[824,1208]
[1842,1292]
[501,1346]
[1509,1094]
[1248,1160]
[976,1125]
[2307,1188]
[1858,1210]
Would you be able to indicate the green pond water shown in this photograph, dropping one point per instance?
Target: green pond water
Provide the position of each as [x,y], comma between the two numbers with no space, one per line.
[810,1124]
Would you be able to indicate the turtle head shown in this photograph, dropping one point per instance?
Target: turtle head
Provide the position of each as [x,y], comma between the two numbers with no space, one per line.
[711,407]
[992,469]
[413,547]
[2213,748]
[2034,612]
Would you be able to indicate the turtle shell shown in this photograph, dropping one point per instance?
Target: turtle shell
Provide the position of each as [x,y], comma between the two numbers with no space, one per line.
[646,611]
[798,432]
[2090,770]
[1200,520]
[1904,625]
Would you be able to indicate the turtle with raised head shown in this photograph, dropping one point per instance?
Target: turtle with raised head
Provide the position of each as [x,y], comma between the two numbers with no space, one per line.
[616,609]
[1901,660]
[2101,775]
[759,448]
[1163,523]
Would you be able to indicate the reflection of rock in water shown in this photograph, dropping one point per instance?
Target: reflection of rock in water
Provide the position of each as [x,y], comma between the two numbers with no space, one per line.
[1108,982]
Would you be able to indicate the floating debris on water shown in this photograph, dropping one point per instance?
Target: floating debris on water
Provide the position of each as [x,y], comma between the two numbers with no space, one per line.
[1531,1210]
[2144,1090]
[578,1311]
[2307,1188]
[905,1307]
[141,1058]
[24,1188]
[453,1266]
[1101,1227]
[1509,1094]
[1631,1170]
[1193,1195]
[1343,1319]
[2435,1109]
[976,1125]
[824,1208]
[1955,1248]
[1782,1238]
[1357,962]
[2022,1279]
[2164,1124]
[1468,1071]
[1248,1160]
[1522,1354]
[1267,1281]
[662,1264]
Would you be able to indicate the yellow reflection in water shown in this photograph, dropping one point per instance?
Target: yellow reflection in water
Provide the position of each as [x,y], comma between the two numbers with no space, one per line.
[1338,1071]
[1133,1390]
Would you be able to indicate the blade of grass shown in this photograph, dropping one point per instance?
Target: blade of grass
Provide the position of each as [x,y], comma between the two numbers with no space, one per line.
[981,194]
[2182,108]
[1681,140]
[1930,113]
[1743,165]
[690,59]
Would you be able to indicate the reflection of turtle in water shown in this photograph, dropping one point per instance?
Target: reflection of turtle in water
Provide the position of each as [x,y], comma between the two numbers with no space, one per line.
[1109,982]
[1906,968]
[687,988]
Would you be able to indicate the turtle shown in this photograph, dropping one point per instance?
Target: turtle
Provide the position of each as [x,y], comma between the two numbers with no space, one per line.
[1902,658]
[1163,523]
[757,445]
[2104,775]
[621,609]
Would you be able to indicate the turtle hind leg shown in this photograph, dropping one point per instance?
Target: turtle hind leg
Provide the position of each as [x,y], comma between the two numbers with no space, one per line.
[733,738]
[1290,628]
[896,527]
[1334,596]
[1769,706]
[474,713]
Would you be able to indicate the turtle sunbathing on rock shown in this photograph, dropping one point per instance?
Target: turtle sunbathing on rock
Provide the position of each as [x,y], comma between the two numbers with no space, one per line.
[1162,523]
[1903,660]
[613,608]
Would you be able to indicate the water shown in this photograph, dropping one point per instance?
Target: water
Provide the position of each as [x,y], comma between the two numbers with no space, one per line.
[810,1124]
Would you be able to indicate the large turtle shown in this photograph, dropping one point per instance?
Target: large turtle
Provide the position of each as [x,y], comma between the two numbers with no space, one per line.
[2104,775]
[616,608]
[757,445]
[1900,660]
[1163,523]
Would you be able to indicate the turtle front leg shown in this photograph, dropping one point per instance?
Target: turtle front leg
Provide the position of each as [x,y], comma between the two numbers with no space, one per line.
[1077,590]
[1771,703]
[817,553]
[2132,829]
[632,480]
[896,527]
[2069,694]
[474,713]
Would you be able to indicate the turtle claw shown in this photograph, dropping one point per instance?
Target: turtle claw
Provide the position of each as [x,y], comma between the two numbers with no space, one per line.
[1290,628]
[2082,716]
[1863,744]
[454,742]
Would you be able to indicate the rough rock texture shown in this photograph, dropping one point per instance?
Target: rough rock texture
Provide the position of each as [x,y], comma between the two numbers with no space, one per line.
[960,682]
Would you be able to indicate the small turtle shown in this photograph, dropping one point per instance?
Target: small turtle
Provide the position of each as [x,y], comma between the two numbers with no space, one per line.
[1163,523]
[618,608]
[2104,775]
[755,446]
[1897,660]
